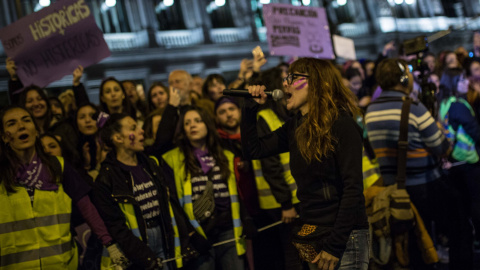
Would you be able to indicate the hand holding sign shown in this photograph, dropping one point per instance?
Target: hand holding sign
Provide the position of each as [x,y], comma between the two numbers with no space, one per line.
[11,68]
[77,75]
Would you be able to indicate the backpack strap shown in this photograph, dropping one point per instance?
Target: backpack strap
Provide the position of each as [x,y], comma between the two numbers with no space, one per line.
[58,165]
[155,159]
[445,106]
[466,104]
[386,99]
[403,144]
[61,163]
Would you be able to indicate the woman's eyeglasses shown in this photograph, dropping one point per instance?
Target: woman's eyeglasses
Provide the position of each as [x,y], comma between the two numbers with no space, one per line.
[291,77]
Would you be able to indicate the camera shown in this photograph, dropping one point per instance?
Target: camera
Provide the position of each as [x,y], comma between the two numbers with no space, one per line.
[415,45]
[418,46]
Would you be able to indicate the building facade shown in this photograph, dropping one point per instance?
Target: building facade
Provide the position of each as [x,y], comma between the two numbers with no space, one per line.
[149,38]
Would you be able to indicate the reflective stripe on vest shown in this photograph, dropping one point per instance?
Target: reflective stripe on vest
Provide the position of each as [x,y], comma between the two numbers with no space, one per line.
[132,224]
[464,148]
[370,169]
[265,196]
[178,247]
[175,159]
[36,236]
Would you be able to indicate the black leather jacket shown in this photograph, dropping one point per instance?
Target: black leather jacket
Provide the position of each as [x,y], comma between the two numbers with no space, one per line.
[114,185]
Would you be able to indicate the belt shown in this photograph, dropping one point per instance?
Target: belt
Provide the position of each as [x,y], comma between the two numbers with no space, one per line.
[152,223]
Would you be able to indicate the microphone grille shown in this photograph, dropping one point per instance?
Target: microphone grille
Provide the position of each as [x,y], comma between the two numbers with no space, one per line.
[277,94]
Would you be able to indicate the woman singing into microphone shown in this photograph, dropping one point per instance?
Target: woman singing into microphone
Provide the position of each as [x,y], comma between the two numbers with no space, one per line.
[325,146]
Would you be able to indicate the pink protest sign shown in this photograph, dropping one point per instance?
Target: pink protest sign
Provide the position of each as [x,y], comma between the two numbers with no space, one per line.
[51,43]
[297,31]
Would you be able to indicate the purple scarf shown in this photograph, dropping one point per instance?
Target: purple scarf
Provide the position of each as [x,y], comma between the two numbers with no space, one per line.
[206,161]
[35,175]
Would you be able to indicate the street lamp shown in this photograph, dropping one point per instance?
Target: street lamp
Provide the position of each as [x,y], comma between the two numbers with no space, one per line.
[44,3]
[220,3]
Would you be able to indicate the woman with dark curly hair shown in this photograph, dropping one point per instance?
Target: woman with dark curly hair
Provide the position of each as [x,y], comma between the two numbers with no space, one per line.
[325,146]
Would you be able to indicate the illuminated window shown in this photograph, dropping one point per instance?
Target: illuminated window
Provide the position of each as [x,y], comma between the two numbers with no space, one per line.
[30,6]
[258,12]
[220,14]
[111,16]
[169,14]
[7,14]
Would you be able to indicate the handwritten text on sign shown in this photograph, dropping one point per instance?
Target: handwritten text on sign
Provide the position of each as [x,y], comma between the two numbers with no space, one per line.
[297,31]
[51,43]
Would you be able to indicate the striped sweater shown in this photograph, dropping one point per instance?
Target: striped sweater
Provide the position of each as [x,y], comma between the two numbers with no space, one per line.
[426,141]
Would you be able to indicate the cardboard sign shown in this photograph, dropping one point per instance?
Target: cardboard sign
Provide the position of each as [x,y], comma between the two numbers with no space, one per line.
[297,31]
[51,43]
[344,47]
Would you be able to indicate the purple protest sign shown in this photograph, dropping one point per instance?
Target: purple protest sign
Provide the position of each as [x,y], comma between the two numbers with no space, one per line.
[297,31]
[51,43]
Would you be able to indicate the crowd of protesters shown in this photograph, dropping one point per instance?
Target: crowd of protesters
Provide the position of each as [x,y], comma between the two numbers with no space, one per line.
[184,177]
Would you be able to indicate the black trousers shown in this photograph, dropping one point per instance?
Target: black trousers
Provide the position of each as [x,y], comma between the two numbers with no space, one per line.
[443,211]
[273,248]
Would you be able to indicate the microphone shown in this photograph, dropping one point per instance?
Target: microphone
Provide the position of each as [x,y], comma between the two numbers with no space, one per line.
[276,94]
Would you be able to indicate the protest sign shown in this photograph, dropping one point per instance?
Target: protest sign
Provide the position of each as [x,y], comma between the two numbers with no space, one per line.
[344,47]
[297,31]
[51,43]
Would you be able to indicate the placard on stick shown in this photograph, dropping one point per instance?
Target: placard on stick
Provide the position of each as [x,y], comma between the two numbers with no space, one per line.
[298,31]
[344,47]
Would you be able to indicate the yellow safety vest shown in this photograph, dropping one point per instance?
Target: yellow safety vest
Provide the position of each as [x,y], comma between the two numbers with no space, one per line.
[132,224]
[175,159]
[36,236]
[265,196]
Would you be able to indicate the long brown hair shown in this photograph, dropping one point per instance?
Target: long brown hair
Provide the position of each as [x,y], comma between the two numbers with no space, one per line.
[472,95]
[150,106]
[43,95]
[212,144]
[127,106]
[327,96]
[10,162]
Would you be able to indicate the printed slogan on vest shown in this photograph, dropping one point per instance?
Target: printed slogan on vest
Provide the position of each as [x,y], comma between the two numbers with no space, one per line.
[297,31]
[51,43]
